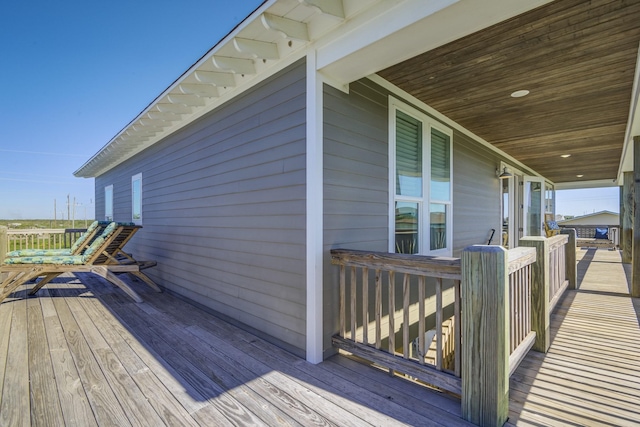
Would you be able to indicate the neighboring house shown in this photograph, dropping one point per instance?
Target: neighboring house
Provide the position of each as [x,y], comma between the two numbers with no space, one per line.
[607,218]
[362,124]
[586,225]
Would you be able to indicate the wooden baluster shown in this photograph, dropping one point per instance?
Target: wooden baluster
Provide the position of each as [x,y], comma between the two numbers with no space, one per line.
[457,306]
[392,313]
[439,321]
[405,315]
[513,308]
[421,315]
[365,305]
[378,309]
[354,295]
[343,302]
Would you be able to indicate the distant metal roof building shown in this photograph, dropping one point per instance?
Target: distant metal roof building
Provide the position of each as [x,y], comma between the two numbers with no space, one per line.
[596,218]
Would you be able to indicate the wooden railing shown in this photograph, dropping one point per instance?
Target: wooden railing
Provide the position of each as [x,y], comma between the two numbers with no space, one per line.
[589,232]
[505,312]
[428,287]
[521,337]
[557,269]
[55,238]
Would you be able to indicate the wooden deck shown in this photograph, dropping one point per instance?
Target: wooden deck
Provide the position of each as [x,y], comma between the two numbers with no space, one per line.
[591,374]
[82,353]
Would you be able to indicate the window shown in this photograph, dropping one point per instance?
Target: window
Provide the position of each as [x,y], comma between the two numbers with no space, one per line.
[136,199]
[420,182]
[108,203]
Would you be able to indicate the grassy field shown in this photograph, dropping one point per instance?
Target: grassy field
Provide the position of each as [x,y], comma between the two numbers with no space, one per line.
[21,224]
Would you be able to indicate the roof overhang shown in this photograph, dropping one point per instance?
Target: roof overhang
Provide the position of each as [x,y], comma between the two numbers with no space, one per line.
[579,61]
[352,39]
[633,127]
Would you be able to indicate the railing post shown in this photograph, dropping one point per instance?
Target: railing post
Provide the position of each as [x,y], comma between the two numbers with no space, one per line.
[570,258]
[485,335]
[3,246]
[539,291]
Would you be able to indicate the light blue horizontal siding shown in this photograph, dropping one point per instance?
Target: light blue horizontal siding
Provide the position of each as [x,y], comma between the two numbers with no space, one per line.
[224,208]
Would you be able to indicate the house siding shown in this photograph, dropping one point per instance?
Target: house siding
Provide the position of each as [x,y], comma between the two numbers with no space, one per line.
[356,193]
[224,208]
[356,175]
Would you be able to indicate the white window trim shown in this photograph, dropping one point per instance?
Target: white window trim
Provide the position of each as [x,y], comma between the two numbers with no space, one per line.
[424,201]
[108,217]
[136,177]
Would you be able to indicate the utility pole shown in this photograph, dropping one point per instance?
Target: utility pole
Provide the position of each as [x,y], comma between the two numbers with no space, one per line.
[68,208]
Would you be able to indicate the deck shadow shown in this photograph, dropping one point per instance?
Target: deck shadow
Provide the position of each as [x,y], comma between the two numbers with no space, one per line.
[191,365]
[583,264]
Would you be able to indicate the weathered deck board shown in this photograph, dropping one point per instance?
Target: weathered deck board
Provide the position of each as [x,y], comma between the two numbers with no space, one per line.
[591,374]
[45,405]
[99,359]
[71,394]
[92,357]
[14,408]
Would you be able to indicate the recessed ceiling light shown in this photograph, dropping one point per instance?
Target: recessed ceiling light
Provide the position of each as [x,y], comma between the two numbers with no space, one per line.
[520,93]
[565,155]
[579,176]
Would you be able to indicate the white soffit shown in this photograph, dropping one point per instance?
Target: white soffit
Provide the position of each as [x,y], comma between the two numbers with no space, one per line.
[277,34]
[633,126]
[353,38]
[375,41]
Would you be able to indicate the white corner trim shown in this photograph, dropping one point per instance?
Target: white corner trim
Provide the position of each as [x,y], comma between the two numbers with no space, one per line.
[314,210]
[446,120]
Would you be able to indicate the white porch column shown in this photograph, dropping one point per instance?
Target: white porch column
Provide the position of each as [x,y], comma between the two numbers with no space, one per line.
[314,210]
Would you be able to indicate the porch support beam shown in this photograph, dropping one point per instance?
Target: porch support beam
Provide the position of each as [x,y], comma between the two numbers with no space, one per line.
[626,235]
[635,264]
[315,211]
[485,344]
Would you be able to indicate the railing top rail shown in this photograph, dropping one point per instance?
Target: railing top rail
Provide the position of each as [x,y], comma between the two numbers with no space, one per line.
[36,231]
[421,265]
[520,257]
[558,240]
[587,226]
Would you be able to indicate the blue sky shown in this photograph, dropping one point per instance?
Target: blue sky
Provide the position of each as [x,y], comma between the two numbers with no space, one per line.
[586,201]
[74,73]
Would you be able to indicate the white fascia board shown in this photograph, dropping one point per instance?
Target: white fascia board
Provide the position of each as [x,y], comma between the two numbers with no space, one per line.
[384,36]
[207,57]
[577,185]
[633,126]
[376,24]
[407,97]
[248,83]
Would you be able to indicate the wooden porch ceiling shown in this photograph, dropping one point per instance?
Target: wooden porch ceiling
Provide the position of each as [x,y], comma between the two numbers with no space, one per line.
[577,58]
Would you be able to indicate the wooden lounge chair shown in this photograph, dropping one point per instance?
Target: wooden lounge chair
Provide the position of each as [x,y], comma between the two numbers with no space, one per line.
[101,258]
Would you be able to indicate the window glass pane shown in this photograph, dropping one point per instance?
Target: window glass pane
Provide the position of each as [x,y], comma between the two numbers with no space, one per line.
[408,155]
[533,207]
[505,213]
[440,166]
[137,199]
[407,228]
[108,203]
[549,199]
[438,226]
